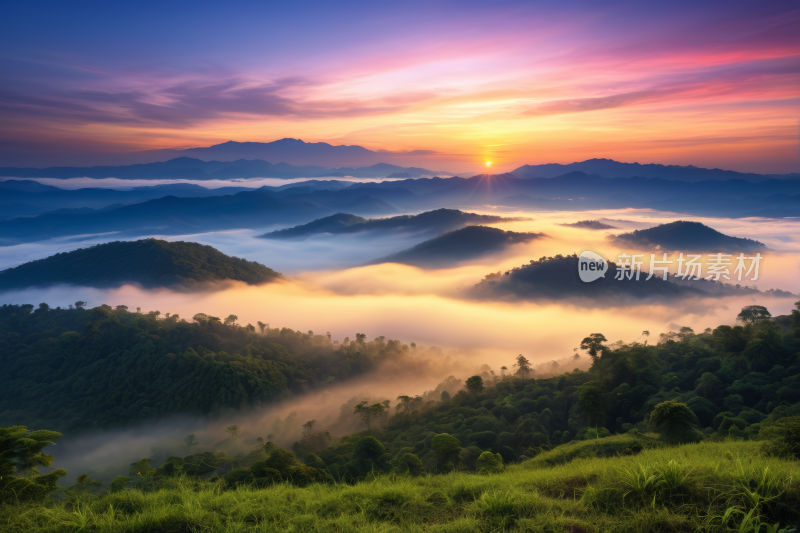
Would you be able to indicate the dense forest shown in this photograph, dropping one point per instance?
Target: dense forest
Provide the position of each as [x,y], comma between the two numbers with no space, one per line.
[730,397]
[147,262]
[73,369]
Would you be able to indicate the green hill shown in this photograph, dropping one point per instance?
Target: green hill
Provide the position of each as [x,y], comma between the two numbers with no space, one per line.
[459,245]
[148,262]
[683,235]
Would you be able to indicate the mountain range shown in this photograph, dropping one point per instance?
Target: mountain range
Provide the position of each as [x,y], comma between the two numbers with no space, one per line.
[196,169]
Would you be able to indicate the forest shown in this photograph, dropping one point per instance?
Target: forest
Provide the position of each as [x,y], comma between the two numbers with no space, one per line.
[728,397]
[146,262]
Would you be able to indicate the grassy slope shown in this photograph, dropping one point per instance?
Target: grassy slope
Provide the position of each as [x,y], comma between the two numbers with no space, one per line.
[580,493]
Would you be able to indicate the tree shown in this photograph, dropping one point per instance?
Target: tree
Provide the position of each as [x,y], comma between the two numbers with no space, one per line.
[81,304]
[314,440]
[524,366]
[233,431]
[262,326]
[445,396]
[231,321]
[592,401]
[594,344]
[796,315]
[447,449]
[753,314]
[190,441]
[675,422]
[368,413]
[475,385]
[20,456]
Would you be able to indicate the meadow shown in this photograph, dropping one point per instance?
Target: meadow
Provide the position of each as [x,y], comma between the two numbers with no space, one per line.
[721,486]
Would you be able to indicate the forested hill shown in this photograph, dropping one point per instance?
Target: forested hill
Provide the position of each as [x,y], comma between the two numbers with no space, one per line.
[459,245]
[75,369]
[434,222]
[148,262]
[683,235]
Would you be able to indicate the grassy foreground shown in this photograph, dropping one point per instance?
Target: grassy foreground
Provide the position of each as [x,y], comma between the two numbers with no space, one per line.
[711,486]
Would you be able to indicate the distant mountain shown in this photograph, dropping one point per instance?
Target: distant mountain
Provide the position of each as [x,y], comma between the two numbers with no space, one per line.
[683,235]
[166,216]
[150,263]
[459,245]
[608,168]
[367,205]
[196,169]
[430,222]
[556,278]
[589,224]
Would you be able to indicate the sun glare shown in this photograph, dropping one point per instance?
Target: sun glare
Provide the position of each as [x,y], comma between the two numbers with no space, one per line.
[488,163]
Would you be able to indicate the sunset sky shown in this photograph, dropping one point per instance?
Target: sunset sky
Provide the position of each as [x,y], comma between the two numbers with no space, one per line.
[713,84]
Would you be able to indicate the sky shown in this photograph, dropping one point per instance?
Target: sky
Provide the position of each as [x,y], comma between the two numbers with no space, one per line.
[714,84]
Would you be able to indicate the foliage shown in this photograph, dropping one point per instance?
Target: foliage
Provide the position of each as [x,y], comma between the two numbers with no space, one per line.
[148,262]
[20,456]
[81,369]
[675,422]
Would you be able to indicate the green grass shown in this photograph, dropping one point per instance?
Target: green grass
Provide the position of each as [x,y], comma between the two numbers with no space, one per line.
[712,486]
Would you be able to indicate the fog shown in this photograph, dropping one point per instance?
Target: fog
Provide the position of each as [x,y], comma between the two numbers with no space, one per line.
[327,290]
[126,184]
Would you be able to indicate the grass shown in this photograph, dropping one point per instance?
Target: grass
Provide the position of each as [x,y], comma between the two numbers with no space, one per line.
[713,486]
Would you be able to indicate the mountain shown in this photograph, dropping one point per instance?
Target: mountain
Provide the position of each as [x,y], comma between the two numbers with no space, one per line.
[149,262]
[589,224]
[608,168]
[432,221]
[197,169]
[459,245]
[167,216]
[556,278]
[367,205]
[683,235]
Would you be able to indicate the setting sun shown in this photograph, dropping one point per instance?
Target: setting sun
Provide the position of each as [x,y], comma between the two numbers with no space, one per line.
[488,163]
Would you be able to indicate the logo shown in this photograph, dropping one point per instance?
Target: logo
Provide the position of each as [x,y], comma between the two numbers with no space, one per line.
[591,266]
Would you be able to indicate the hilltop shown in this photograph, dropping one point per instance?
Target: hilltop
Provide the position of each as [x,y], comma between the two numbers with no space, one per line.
[683,235]
[459,245]
[557,278]
[431,221]
[148,262]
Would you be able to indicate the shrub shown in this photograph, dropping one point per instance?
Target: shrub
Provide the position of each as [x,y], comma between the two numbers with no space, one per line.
[783,437]
[675,422]
[489,463]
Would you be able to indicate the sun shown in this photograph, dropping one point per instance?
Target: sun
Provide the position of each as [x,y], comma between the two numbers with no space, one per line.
[488,163]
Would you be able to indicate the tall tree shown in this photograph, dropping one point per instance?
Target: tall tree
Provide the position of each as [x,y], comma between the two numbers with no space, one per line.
[475,385]
[233,431]
[190,440]
[369,413]
[753,314]
[524,366]
[594,344]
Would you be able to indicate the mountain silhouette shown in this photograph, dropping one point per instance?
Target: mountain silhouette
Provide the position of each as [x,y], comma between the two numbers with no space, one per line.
[437,221]
[459,245]
[556,278]
[608,168]
[683,235]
